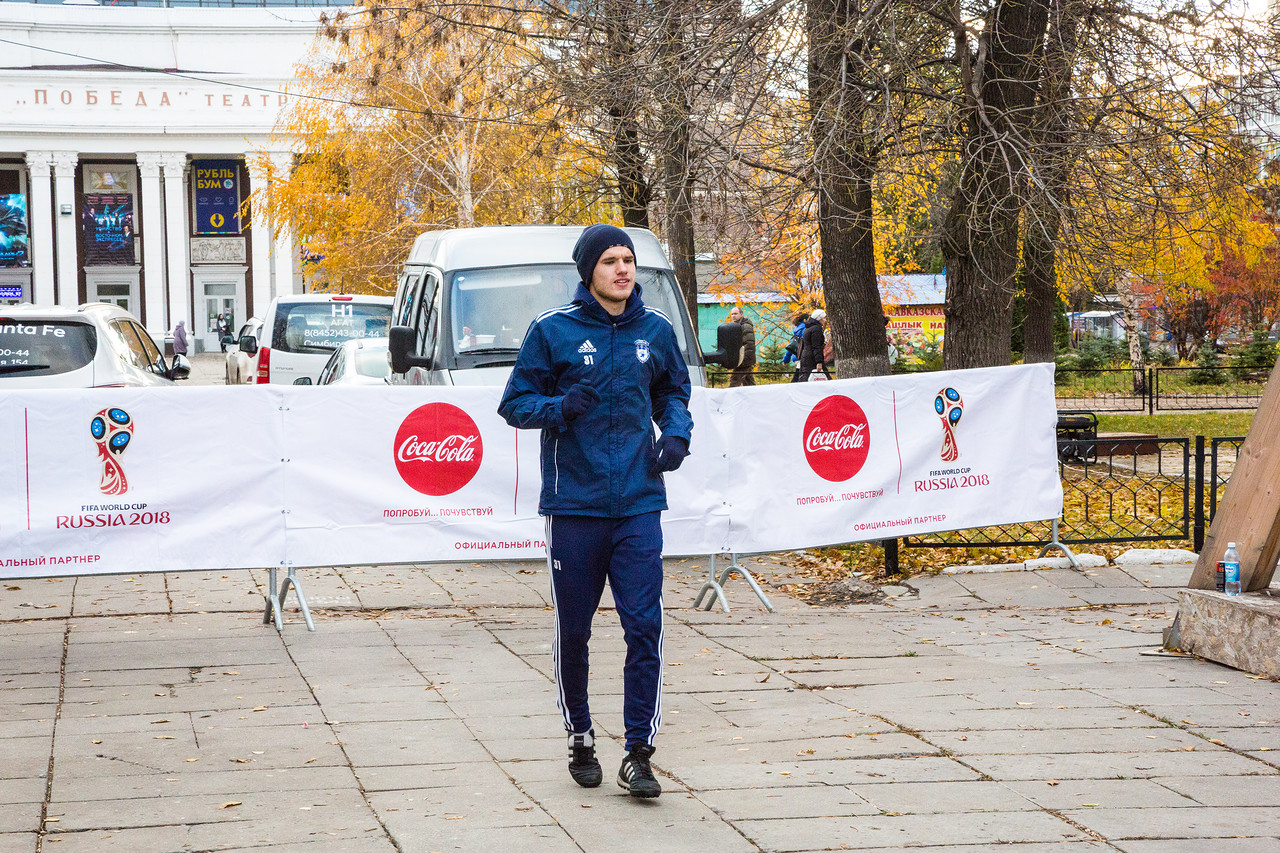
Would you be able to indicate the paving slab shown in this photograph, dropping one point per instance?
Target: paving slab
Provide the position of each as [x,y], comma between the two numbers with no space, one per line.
[18,842]
[1197,845]
[895,831]
[971,796]
[1207,822]
[768,804]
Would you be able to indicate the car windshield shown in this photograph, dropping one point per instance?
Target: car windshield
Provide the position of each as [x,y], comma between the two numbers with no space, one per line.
[44,347]
[321,327]
[491,309]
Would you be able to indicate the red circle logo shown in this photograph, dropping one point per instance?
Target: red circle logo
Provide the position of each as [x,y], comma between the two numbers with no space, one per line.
[438,449]
[836,438]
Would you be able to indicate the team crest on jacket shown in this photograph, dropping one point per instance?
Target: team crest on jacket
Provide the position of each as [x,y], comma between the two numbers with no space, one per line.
[642,351]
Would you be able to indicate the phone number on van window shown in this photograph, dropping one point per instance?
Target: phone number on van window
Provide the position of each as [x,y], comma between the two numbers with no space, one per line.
[331,333]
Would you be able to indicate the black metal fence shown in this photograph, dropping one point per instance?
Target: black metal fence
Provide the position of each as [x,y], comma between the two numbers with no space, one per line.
[1117,390]
[1183,388]
[1128,490]
[1105,390]
[1158,389]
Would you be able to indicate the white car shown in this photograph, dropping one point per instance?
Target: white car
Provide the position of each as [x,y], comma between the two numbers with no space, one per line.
[93,346]
[239,364]
[362,362]
[300,333]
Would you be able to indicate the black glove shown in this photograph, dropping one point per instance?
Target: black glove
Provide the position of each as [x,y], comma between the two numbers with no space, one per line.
[671,452]
[578,401]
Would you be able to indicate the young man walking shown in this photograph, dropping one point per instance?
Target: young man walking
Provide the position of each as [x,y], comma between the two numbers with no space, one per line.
[594,376]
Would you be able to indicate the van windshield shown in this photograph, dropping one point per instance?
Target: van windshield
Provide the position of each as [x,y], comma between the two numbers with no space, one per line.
[491,309]
[321,327]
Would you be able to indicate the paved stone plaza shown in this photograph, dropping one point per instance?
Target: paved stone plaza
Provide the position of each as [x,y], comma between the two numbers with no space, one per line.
[974,711]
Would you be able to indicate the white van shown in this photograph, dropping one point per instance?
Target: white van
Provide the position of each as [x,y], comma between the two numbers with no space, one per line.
[300,333]
[467,296]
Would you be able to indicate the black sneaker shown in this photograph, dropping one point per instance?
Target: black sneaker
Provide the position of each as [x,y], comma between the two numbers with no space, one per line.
[635,776]
[583,766]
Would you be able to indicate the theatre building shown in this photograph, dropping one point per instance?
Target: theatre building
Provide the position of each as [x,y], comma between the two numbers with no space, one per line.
[130,141]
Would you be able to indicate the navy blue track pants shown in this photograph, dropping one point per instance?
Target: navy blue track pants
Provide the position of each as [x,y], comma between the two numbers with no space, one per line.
[582,552]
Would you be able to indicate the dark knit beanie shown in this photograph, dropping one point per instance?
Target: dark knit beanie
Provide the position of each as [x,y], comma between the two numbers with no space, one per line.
[593,243]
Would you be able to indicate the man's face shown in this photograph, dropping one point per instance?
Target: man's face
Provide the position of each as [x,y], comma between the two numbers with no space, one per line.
[735,315]
[614,278]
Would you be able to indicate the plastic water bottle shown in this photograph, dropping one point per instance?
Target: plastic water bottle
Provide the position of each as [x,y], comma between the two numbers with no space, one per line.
[1231,566]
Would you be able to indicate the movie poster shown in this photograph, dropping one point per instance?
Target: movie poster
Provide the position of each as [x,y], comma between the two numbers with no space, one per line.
[107,221]
[13,231]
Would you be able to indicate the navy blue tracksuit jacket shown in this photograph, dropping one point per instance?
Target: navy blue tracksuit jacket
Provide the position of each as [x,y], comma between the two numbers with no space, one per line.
[602,463]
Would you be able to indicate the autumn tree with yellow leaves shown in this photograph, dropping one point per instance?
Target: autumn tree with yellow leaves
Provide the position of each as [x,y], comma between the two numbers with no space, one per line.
[408,123]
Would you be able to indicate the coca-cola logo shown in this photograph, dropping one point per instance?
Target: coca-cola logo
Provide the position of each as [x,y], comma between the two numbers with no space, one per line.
[836,438]
[438,449]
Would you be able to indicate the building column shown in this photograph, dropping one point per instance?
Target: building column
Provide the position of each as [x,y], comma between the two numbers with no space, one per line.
[40,221]
[282,248]
[64,199]
[151,227]
[261,236]
[177,242]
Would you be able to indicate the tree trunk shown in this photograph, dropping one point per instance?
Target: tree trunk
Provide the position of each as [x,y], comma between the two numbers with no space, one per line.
[677,168]
[1129,306]
[1049,190]
[843,169]
[1039,259]
[629,161]
[980,234]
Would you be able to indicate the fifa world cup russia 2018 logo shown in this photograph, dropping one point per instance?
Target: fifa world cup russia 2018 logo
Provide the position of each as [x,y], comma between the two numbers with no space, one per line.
[112,429]
[949,407]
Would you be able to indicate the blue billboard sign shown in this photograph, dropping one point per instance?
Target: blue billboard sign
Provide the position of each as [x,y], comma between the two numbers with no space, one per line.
[217,185]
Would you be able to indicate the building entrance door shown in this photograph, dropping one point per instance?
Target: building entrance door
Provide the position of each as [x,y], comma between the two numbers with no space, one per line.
[219,298]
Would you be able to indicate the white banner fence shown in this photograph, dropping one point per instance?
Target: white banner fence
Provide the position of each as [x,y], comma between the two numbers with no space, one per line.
[139,480]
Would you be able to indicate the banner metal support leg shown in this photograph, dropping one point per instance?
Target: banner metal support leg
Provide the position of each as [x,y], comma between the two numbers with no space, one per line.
[716,585]
[274,607]
[1054,543]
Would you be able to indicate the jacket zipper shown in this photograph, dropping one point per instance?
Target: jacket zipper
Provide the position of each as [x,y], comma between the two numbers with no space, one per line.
[614,497]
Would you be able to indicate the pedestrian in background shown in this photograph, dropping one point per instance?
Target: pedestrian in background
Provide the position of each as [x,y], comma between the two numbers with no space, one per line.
[797,340]
[744,373]
[594,376]
[180,338]
[813,349]
[224,331]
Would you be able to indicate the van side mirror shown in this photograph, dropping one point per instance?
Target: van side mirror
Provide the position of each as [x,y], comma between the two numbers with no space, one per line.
[729,351]
[249,345]
[401,343]
[302,380]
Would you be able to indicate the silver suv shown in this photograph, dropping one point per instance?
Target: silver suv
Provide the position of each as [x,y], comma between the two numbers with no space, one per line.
[94,346]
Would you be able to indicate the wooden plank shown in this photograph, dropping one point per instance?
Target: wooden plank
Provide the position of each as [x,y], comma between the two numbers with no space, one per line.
[1249,513]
